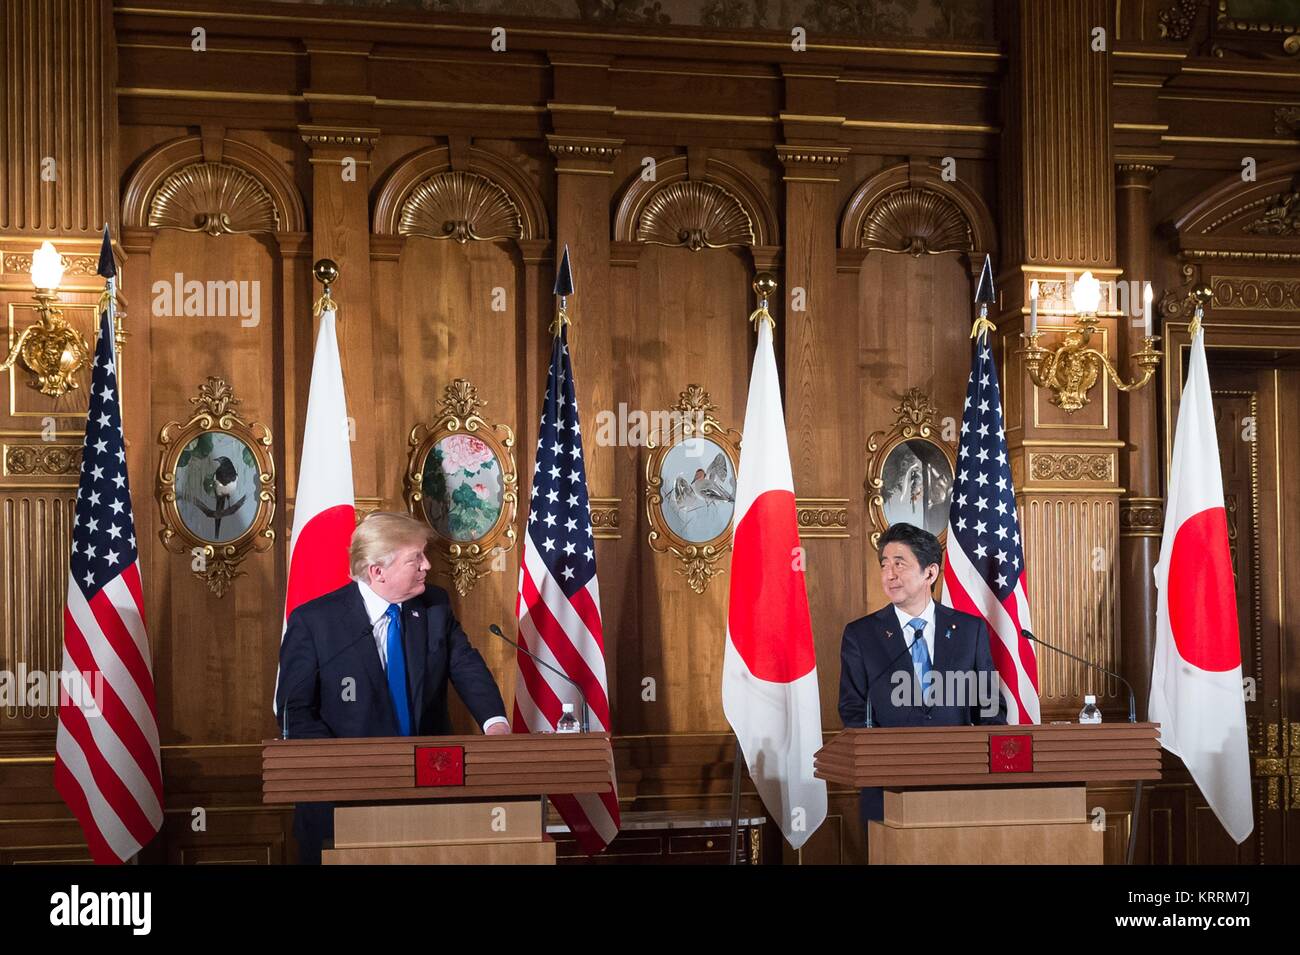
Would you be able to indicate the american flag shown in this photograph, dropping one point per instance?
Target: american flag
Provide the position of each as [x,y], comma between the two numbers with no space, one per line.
[559,599]
[106,766]
[984,570]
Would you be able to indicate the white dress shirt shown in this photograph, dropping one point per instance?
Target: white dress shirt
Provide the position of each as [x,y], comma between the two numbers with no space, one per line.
[909,634]
[377,611]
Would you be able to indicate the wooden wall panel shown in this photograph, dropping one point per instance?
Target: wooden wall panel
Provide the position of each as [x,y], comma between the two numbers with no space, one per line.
[574,114]
[214,658]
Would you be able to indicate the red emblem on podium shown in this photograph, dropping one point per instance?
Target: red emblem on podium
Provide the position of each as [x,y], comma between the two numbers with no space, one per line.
[440,766]
[1011,753]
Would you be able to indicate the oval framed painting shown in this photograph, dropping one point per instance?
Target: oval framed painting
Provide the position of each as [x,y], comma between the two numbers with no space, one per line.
[911,472]
[216,486]
[691,486]
[461,479]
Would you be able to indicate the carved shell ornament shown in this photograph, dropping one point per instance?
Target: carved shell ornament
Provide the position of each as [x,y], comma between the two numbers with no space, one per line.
[916,221]
[697,215]
[215,198]
[460,206]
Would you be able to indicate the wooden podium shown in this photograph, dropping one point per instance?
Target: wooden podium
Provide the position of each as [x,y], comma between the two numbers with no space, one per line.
[992,795]
[429,800]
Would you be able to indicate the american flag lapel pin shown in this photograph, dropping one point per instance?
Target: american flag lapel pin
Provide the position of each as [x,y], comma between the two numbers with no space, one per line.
[415,613]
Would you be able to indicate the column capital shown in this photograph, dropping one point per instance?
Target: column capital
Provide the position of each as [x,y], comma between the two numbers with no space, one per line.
[319,136]
[812,163]
[584,155]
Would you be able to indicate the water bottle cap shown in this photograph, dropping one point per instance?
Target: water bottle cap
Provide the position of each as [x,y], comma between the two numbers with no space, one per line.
[1089,699]
[567,708]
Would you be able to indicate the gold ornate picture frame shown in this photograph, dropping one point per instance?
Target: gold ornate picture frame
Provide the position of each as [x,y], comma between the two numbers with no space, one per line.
[216,486]
[461,479]
[690,495]
[910,471]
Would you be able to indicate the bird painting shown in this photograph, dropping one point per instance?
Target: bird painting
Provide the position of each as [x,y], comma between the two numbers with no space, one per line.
[694,496]
[221,484]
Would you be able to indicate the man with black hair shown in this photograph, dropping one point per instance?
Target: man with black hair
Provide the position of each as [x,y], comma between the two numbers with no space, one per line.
[915,662]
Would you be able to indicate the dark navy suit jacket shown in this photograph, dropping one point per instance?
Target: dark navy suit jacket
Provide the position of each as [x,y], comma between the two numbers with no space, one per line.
[874,660]
[330,640]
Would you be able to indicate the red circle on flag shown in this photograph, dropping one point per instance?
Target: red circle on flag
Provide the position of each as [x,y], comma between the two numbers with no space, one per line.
[768,612]
[1203,595]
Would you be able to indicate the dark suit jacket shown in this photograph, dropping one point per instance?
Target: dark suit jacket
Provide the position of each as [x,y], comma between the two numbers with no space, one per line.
[874,662]
[330,640]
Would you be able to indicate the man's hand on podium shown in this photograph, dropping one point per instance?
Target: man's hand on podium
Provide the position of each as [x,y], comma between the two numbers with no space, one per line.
[498,729]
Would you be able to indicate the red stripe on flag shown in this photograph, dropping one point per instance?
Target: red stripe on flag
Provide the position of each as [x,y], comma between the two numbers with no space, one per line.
[113,710]
[589,613]
[1028,659]
[575,817]
[544,698]
[119,638]
[109,783]
[566,655]
[70,790]
[962,601]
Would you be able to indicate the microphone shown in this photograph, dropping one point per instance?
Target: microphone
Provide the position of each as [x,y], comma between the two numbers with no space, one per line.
[584,723]
[1132,698]
[284,712]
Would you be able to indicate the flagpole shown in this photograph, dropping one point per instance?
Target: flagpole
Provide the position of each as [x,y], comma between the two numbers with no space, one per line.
[764,287]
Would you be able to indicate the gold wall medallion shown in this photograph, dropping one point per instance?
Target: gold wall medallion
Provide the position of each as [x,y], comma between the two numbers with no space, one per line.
[216,486]
[910,472]
[690,494]
[52,350]
[461,479]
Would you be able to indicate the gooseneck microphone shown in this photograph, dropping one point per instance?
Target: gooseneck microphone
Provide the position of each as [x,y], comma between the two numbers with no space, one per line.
[284,711]
[584,723]
[1132,698]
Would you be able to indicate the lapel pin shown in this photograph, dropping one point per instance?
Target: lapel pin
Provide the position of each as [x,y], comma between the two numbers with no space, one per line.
[415,613]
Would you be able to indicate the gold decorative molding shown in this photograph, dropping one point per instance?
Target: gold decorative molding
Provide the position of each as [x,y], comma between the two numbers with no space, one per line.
[213,197]
[1072,466]
[213,558]
[1175,22]
[20,263]
[465,532]
[365,506]
[695,215]
[460,206]
[1281,217]
[584,147]
[54,460]
[318,136]
[825,156]
[604,518]
[916,221]
[1141,517]
[1286,120]
[1255,294]
[692,419]
[822,517]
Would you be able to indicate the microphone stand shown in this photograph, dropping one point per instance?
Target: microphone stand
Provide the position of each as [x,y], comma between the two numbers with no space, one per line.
[584,723]
[1132,718]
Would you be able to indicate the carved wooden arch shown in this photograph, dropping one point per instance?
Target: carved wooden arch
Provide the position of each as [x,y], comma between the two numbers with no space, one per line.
[910,208]
[1237,215]
[415,178]
[165,164]
[725,196]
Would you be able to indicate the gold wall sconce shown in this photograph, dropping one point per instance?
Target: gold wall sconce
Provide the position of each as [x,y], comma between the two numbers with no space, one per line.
[1071,369]
[52,350]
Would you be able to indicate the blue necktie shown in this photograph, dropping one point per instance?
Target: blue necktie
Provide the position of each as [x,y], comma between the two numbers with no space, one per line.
[920,652]
[397,670]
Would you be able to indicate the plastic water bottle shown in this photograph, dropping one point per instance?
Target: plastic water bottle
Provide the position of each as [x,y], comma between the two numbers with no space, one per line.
[568,723]
[1090,713]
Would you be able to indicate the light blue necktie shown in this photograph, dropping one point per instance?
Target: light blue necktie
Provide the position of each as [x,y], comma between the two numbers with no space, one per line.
[920,652]
[397,670]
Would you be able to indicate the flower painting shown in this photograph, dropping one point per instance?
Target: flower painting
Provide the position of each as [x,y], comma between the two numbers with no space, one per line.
[462,488]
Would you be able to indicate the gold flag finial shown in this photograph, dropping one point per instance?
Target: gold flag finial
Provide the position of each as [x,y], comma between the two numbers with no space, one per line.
[764,287]
[327,273]
[1201,295]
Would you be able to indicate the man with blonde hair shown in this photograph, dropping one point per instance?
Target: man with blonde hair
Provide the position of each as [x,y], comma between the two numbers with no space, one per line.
[374,657]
